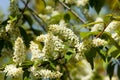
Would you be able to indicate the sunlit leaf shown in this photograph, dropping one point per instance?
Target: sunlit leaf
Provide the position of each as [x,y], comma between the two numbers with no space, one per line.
[40,5]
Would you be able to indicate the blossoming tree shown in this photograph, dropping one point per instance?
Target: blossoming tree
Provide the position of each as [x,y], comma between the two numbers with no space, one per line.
[60,40]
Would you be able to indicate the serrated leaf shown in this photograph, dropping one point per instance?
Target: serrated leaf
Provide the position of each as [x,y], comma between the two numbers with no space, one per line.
[28,19]
[97,4]
[25,36]
[110,69]
[113,51]
[90,55]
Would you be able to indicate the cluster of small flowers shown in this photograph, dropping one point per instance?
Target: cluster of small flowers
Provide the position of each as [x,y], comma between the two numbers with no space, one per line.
[116,37]
[114,25]
[52,45]
[98,27]
[19,51]
[98,42]
[81,2]
[9,26]
[87,45]
[36,52]
[50,12]
[65,34]
[12,72]
[45,73]
[82,48]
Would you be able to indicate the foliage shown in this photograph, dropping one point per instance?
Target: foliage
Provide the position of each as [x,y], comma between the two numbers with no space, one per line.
[60,40]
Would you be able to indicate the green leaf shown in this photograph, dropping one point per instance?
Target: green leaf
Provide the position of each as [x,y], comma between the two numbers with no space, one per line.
[25,36]
[28,18]
[118,71]
[8,44]
[27,64]
[40,5]
[113,51]
[97,4]
[66,17]
[85,35]
[110,69]
[111,41]
[55,19]
[68,56]
[90,55]
[1,45]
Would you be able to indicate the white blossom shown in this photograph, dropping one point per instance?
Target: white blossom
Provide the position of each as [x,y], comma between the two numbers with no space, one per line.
[53,46]
[98,27]
[44,73]
[98,42]
[13,73]
[36,52]
[54,13]
[114,25]
[65,34]
[41,38]
[19,51]
[49,9]
[44,17]
[82,48]
[70,1]
[9,26]
[116,37]
[81,2]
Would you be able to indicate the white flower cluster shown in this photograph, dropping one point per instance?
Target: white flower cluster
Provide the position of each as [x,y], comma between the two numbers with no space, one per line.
[19,51]
[114,25]
[9,26]
[36,52]
[98,27]
[81,2]
[116,37]
[70,1]
[13,73]
[82,48]
[52,45]
[98,42]
[45,73]
[65,34]
[87,45]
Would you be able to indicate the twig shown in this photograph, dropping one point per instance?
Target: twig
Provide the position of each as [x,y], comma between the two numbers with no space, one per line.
[22,12]
[102,31]
[73,12]
[35,15]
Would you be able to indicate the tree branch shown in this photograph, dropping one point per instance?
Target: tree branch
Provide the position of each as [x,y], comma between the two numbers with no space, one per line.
[35,15]
[73,12]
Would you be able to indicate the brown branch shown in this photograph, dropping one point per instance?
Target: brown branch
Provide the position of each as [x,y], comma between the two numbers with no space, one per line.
[73,12]
[22,12]
[35,15]
[105,26]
